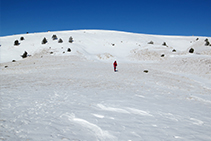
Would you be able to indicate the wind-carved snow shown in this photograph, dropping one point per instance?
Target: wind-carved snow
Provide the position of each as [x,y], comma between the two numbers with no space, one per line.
[139,112]
[196,121]
[119,110]
[126,110]
[99,116]
[95,130]
[199,99]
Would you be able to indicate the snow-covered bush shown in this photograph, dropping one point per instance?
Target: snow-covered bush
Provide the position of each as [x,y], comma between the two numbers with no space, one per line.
[16,43]
[71,39]
[60,41]
[44,41]
[54,37]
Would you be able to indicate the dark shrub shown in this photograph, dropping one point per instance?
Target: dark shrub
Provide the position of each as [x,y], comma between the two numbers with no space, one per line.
[13,61]
[60,41]
[54,37]
[164,44]
[22,38]
[191,50]
[68,50]
[71,39]
[162,55]
[44,41]
[16,43]
[173,50]
[24,55]
[207,43]
[151,42]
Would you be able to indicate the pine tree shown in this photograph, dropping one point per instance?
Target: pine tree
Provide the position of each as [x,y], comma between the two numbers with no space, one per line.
[22,38]
[191,50]
[68,50]
[151,42]
[71,39]
[44,41]
[164,44]
[60,41]
[24,55]
[207,42]
[54,37]
[16,43]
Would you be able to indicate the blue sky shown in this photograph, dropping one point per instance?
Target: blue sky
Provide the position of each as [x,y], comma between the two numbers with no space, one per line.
[163,17]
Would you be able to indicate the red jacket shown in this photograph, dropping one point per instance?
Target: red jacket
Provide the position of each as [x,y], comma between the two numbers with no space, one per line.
[115,64]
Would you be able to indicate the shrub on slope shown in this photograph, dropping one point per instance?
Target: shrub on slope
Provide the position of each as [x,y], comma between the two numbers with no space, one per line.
[44,41]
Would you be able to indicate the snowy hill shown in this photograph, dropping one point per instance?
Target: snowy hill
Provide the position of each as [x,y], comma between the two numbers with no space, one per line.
[69,91]
[102,45]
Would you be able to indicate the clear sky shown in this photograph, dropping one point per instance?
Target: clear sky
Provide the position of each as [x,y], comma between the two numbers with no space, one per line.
[163,17]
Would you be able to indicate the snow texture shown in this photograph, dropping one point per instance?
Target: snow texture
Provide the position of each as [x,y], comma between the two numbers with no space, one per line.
[56,95]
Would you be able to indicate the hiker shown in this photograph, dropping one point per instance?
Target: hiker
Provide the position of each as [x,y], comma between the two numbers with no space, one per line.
[115,64]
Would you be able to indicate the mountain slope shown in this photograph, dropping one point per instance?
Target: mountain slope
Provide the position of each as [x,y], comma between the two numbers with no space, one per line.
[103,45]
[75,96]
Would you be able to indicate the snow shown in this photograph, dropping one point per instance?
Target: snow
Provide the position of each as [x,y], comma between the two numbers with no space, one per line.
[76,95]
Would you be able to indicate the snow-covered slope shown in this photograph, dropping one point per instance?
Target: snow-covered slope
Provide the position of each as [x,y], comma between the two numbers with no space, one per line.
[76,96]
[103,45]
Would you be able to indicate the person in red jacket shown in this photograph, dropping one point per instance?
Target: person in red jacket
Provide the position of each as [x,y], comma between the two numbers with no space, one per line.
[115,64]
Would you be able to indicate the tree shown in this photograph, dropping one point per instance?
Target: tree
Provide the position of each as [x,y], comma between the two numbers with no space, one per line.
[68,50]
[16,43]
[24,55]
[71,39]
[164,44]
[191,50]
[151,42]
[60,41]
[22,38]
[54,37]
[44,41]
[207,43]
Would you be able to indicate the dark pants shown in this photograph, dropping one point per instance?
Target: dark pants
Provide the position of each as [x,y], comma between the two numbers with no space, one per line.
[114,68]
